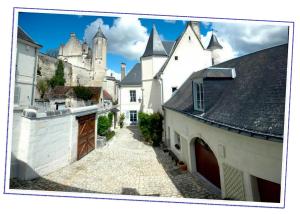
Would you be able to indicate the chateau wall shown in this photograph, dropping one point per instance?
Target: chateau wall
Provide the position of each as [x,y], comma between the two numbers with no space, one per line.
[250,157]
[47,66]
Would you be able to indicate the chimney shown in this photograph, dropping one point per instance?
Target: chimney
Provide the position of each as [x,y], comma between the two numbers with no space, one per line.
[196,27]
[123,70]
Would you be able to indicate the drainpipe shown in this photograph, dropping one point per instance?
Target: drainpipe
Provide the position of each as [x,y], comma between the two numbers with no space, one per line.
[34,75]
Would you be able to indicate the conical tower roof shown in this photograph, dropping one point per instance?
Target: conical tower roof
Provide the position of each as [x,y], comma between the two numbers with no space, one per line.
[154,46]
[214,43]
[100,33]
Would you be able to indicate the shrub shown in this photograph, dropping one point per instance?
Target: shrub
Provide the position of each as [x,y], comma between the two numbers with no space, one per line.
[42,86]
[103,125]
[150,126]
[110,118]
[121,121]
[109,135]
[83,93]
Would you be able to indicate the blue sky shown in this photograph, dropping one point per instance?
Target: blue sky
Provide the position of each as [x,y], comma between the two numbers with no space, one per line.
[128,35]
[51,30]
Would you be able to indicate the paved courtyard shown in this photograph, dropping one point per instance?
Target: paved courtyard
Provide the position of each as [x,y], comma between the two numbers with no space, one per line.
[125,165]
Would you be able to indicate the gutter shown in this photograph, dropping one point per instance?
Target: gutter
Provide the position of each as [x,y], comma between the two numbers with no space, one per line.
[34,75]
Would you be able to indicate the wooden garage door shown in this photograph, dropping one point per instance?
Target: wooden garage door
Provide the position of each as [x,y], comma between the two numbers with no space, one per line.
[86,135]
[268,191]
[206,162]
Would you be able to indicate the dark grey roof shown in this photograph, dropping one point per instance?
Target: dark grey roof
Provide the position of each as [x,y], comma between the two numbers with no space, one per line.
[168,46]
[100,33]
[134,77]
[24,36]
[154,46]
[214,43]
[252,103]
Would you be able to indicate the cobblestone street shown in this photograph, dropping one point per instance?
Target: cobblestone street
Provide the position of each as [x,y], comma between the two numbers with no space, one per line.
[124,166]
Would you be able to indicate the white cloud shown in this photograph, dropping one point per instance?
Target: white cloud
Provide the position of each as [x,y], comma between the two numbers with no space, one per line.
[126,37]
[239,38]
[115,74]
[226,53]
[251,37]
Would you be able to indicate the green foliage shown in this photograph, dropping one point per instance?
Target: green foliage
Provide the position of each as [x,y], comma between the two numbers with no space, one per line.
[151,128]
[109,135]
[42,86]
[58,79]
[103,125]
[110,118]
[83,93]
[121,121]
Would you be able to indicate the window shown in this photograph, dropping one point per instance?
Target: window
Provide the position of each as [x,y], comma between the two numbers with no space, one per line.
[190,38]
[132,96]
[17,95]
[198,92]
[174,89]
[133,116]
[177,141]
[176,57]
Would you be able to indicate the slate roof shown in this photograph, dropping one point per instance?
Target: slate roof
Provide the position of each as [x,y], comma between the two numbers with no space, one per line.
[252,103]
[107,96]
[100,33]
[62,92]
[24,36]
[134,77]
[214,43]
[154,46]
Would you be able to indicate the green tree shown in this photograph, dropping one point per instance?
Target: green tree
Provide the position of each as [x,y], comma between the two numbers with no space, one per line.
[83,93]
[42,86]
[103,125]
[58,79]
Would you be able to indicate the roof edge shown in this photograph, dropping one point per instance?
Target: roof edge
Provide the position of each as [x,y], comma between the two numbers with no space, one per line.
[250,133]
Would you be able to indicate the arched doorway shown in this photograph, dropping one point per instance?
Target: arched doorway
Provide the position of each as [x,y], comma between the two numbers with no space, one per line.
[206,162]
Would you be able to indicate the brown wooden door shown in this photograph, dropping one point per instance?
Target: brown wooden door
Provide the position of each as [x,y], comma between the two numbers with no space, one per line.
[86,135]
[268,191]
[206,162]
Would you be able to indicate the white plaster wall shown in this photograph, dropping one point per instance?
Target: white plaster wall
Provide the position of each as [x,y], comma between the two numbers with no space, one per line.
[254,157]
[126,105]
[151,87]
[191,57]
[45,144]
[25,72]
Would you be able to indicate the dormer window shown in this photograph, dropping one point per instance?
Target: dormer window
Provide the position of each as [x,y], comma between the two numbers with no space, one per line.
[198,92]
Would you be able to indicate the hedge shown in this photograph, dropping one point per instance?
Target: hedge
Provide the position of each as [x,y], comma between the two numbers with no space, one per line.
[151,127]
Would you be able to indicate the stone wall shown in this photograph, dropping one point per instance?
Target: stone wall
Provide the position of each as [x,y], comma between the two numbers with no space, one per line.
[47,66]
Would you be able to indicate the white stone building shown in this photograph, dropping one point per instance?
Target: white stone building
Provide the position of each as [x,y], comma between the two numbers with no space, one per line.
[226,123]
[26,69]
[163,68]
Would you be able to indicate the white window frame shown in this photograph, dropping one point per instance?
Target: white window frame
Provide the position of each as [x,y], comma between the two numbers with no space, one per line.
[198,95]
[132,96]
[133,112]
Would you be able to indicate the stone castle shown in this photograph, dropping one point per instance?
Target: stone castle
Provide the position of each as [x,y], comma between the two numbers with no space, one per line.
[84,65]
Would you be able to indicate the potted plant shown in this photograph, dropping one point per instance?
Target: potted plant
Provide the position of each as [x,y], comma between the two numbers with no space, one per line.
[182,165]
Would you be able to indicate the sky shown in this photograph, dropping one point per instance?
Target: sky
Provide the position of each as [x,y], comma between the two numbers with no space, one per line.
[128,35]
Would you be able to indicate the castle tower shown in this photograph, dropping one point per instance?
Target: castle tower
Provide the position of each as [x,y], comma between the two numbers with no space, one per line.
[99,49]
[215,47]
[152,60]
